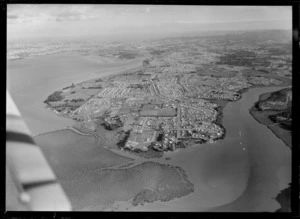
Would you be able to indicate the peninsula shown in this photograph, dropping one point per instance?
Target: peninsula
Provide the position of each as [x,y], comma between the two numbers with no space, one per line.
[151,111]
[174,100]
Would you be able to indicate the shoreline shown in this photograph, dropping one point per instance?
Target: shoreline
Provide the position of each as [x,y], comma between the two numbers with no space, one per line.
[253,112]
[283,197]
[220,118]
[221,105]
[154,181]
[28,89]
[280,197]
[219,121]
[105,104]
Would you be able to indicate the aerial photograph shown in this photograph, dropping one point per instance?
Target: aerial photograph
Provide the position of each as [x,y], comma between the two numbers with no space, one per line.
[149,108]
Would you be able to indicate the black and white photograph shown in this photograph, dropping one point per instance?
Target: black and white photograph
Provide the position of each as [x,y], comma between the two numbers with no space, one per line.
[148,108]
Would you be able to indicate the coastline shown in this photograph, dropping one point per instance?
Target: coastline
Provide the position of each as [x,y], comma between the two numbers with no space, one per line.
[284,197]
[126,128]
[220,110]
[258,119]
[220,119]
[281,200]
[28,88]
[266,121]
[223,103]
[107,177]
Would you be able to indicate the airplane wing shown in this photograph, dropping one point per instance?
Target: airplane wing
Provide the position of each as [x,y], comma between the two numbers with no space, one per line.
[30,182]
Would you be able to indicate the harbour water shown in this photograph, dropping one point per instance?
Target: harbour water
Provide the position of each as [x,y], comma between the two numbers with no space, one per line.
[31,80]
[243,172]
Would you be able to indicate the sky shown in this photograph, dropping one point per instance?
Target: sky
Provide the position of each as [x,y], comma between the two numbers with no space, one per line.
[33,21]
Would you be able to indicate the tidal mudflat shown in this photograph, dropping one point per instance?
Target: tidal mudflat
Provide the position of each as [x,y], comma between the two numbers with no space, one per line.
[83,167]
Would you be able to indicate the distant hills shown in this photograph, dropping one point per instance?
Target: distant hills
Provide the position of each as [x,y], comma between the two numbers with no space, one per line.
[266,35]
[242,35]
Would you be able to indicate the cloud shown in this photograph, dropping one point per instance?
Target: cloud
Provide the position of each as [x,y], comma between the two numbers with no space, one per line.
[187,22]
[19,19]
[68,16]
[48,13]
[12,16]
[72,16]
[80,19]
